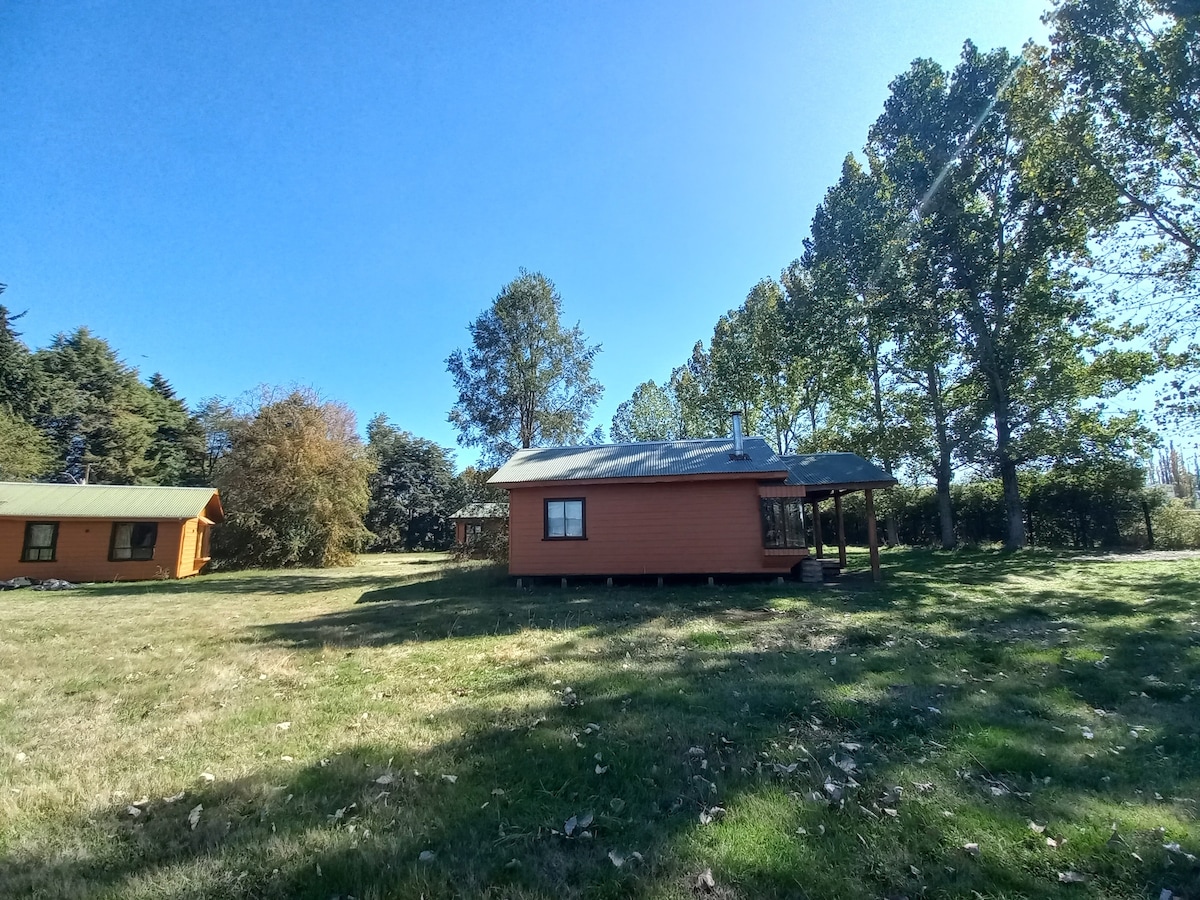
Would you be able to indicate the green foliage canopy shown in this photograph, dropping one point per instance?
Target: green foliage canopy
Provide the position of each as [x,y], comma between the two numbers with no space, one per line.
[526,380]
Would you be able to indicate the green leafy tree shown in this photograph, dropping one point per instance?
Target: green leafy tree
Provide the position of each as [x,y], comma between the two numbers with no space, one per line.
[651,414]
[413,490]
[1133,66]
[294,483]
[24,451]
[526,380]
[472,487]
[95,415]
[176,454]
[215,418]
[821,373]
[20,382]
[1010,207]
[701,412]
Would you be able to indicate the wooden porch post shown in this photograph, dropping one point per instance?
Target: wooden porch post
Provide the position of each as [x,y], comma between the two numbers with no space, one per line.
[872,535]
[817,530]
[841,529]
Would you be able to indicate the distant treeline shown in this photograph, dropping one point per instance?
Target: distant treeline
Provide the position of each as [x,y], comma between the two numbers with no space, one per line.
[300,486]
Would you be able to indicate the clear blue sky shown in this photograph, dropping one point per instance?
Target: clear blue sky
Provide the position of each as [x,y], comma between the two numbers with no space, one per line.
[244,193]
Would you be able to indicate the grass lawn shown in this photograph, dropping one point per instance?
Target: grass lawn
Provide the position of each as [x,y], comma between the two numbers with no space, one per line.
[980,725]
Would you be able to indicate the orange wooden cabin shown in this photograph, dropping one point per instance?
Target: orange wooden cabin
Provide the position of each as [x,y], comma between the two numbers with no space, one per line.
[92,532]
[699,507]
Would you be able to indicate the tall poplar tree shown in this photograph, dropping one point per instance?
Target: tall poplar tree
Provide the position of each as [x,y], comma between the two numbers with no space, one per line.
[526,380]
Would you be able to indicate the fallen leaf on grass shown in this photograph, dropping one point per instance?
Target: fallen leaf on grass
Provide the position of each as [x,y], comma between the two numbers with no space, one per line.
[426,856]
[450,778]
[208,777]
[850,746]
[895,814]
[705,881]
[194,815]
[1072,878]
[971,848]
[133,811]
[616,858]
[1034,826]
[600,770]
[710,815]
[174,798]
[385,779]
[283,726]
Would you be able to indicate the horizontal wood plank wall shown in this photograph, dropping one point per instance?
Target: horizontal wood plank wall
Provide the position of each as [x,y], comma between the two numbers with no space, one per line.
[82,553]
[653,528]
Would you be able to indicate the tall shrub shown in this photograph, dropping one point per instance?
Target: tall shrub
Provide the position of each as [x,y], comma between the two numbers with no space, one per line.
[294,484]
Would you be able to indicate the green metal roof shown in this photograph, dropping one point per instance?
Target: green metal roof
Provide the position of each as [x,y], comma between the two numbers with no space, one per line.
[102,501]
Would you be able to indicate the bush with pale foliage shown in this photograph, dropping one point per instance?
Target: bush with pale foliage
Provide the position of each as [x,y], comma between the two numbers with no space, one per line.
[293,484]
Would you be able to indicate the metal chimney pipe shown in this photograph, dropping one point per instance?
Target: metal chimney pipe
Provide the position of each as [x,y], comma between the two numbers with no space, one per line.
[738,443]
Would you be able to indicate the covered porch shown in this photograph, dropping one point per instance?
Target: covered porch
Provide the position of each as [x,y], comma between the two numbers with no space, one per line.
[833,476]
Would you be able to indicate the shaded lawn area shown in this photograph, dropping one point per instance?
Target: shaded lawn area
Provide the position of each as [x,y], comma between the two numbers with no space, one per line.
[852,741]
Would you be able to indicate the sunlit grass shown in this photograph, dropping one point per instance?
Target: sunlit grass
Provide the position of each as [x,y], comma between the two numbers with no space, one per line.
[336,725]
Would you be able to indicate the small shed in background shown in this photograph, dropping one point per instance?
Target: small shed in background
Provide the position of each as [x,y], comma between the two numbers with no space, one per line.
[475,520]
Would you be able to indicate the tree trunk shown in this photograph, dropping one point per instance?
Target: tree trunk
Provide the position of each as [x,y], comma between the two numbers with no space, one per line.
[945,468]
[1149,525]
[1015,532]
[889,522]
[945,513]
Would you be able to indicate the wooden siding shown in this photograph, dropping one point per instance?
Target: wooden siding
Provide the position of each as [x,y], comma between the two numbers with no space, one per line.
[490,526]
[82,552]
[702,527]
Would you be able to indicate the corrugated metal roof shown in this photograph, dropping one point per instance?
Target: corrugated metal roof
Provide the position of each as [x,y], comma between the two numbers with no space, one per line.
[813,469]
[482,511]
[641,460]
[101,501]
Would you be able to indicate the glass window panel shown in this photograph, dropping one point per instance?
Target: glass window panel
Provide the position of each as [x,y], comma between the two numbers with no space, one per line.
[574,517]
[555,518]
[142,539]
[783,523]
[122,547]
[41,534]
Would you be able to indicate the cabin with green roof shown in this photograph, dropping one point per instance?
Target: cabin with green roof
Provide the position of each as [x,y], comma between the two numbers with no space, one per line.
[103,532]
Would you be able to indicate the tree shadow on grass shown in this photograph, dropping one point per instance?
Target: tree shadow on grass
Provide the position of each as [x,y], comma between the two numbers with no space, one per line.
[686,728]
[467,603]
